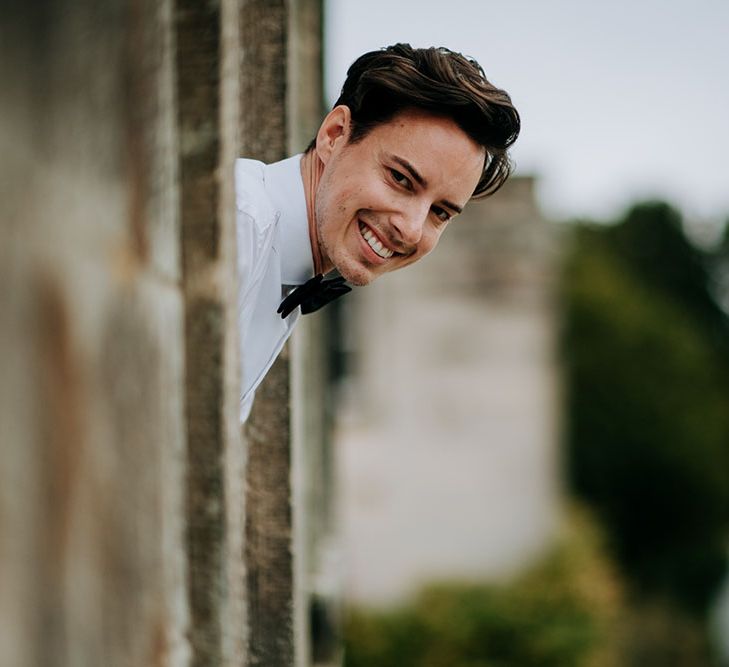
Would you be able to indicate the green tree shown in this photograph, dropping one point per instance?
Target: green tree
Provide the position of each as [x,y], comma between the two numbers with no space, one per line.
[646,357]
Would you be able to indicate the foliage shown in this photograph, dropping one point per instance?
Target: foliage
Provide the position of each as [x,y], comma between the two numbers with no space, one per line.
[657,633]
[562,613]
[647,361]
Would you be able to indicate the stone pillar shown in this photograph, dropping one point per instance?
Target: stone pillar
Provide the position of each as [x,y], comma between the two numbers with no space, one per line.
[208,93]
[281,111]
[268,548]
[92,457]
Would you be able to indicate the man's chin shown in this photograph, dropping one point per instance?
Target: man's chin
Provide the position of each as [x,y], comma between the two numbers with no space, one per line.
[357,276]
[357,279]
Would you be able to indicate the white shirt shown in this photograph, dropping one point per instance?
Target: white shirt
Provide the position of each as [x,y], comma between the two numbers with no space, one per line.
[274,251]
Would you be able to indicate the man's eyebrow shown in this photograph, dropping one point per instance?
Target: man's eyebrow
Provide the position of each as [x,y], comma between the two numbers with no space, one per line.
[452,206]
[422,182]
[412,170]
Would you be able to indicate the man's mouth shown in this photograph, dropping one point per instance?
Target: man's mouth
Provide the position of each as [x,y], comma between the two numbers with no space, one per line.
[374,243]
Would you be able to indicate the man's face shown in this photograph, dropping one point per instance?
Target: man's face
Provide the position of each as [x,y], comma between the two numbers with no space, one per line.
[383,202]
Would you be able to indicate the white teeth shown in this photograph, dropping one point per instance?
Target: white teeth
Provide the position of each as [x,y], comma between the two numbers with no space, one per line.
[374,243]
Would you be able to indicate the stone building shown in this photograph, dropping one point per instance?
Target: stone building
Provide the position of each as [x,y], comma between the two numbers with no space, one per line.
[448,445]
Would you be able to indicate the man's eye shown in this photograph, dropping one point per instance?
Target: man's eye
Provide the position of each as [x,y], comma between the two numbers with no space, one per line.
[401,179]
[441,213]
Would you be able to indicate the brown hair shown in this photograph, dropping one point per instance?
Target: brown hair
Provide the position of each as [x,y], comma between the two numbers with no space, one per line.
[380,84]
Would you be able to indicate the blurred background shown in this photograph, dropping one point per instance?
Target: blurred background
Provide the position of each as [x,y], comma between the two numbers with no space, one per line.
[514,454]
[533,433]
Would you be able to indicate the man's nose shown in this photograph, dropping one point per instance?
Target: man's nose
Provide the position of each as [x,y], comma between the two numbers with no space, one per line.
[409,224]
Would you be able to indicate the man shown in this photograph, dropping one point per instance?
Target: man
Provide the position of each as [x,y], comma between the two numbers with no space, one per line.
[414,135]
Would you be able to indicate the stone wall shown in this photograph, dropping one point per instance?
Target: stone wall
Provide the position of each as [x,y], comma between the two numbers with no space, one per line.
[127,536]
[92,343]
[208,99]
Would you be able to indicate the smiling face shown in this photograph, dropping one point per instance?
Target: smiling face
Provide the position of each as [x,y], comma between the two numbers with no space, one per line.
[383,202]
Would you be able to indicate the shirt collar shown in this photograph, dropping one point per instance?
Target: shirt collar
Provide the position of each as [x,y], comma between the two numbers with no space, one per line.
[285,189]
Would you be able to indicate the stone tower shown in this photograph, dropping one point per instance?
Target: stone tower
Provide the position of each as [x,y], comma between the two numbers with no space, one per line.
[449,460]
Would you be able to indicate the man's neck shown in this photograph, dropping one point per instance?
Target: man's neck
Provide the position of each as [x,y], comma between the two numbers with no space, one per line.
[311,171]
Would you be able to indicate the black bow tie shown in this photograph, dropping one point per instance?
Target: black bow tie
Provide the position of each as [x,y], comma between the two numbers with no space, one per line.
[313,294]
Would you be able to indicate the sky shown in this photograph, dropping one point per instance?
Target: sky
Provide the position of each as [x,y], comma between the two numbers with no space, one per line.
[619,100]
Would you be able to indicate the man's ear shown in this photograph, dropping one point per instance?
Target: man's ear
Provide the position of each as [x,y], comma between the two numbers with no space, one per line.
[333,132]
